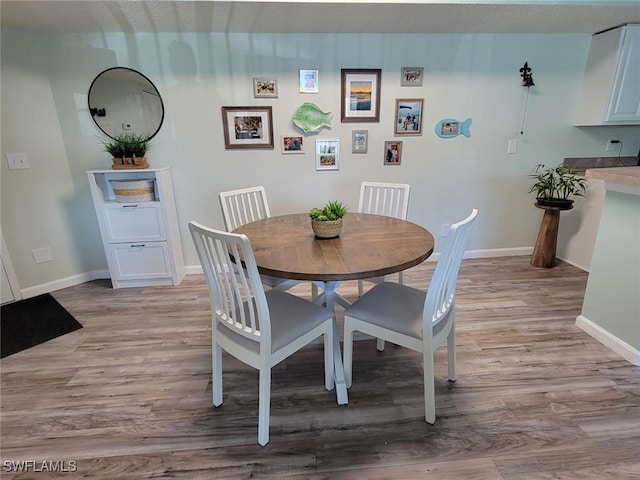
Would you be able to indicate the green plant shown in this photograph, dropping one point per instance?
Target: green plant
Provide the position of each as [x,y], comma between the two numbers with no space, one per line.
[557,182]
[127,145]
[331,211]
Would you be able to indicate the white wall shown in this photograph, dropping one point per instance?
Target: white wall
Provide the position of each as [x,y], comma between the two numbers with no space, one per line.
[45,79]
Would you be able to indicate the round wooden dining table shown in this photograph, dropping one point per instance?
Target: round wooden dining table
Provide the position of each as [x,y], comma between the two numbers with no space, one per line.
[368,246]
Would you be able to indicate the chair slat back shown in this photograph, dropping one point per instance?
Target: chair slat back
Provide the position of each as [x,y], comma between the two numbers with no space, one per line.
[442,288]
[389,199]
[243,206]
[237,296]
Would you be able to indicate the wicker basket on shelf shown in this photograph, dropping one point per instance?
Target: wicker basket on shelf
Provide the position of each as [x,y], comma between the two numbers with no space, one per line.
[326,228]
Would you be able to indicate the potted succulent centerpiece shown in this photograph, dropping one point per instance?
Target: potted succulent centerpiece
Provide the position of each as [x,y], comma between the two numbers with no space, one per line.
[326,222]
[554,185]
[128,150]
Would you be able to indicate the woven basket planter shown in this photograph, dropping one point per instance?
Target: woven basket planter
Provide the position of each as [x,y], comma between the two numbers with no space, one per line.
[132,190]
[129,163]
[327,228]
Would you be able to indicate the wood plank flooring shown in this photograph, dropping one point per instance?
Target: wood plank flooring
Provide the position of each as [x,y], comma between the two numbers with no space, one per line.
[129,395]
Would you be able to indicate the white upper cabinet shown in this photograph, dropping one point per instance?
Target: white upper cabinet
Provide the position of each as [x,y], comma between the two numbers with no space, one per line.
[611,86]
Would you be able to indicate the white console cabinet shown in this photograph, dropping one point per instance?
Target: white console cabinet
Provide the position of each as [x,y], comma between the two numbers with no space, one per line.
[141,239]
[611,85]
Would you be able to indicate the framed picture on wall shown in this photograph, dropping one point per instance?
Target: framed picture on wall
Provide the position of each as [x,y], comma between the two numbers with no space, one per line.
[408,116]
[247,127]
[265,88]
[360,95]
[411,76]
[392,152]
[292,144]
[327,154]
[308,81]
[359,141]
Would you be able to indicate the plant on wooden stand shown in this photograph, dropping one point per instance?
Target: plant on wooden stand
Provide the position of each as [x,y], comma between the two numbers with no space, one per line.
[327,221]
[128,150]
[554,185]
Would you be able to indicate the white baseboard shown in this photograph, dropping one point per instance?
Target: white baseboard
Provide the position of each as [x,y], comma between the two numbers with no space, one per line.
[581,267]
[63,283]
[609,340]
[197,270]
[491,253]
[499,252]
[193,270]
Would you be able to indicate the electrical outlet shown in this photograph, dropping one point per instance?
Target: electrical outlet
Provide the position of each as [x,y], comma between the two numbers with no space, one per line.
[512,146]
[444,230]
[612,144]
[42,255]
[17,161]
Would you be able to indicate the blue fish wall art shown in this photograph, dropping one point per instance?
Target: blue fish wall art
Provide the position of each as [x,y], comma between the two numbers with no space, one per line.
[450,128]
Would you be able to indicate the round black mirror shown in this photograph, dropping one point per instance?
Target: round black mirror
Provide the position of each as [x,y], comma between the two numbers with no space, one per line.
[122,100]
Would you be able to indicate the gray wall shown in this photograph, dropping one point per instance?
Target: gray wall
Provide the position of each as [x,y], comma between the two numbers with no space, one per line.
[45,79]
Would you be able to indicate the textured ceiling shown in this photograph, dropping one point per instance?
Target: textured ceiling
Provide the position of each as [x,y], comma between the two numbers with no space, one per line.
[308,16]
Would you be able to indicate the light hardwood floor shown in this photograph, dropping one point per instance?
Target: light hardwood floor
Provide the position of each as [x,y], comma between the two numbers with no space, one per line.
[129,395]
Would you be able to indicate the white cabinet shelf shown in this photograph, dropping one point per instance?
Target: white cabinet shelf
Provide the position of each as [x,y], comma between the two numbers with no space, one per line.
[611,85]
[141,239]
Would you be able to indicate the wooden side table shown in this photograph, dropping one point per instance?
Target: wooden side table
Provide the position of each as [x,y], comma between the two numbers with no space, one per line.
[544,252]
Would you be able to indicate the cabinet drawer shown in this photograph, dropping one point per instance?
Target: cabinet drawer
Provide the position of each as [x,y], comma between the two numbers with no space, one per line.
[130,261]
[134,222]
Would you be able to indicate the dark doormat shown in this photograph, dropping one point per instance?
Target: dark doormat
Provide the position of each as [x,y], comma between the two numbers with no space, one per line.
[27,323]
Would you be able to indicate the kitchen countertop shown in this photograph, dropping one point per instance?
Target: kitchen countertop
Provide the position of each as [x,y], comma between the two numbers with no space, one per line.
[621,179]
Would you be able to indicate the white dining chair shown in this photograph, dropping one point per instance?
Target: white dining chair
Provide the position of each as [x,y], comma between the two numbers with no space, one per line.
[248,205]
[391,200]
[260,328]
[412,318]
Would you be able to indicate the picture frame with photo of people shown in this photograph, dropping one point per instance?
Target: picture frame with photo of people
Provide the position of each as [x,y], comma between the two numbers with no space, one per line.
[247,127]
[392,152]
[327,154]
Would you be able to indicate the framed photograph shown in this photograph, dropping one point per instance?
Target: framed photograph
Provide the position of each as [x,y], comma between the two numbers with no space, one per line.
[392,152]
[327,153]
[292,144]
[360,141]
[408,116]
[247,127]
[360,95]
[411,76]
[265,88]
[308,81]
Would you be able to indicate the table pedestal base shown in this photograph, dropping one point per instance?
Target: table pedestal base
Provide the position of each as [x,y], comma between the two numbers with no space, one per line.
[329,298]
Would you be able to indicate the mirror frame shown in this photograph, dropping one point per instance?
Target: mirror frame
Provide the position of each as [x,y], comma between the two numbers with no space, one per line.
[94,111]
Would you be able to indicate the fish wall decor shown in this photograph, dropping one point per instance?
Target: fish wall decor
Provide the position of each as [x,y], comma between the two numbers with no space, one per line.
[450,128]
[309,118]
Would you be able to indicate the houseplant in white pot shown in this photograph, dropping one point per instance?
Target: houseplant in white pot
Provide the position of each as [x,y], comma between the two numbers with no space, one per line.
[326,222]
